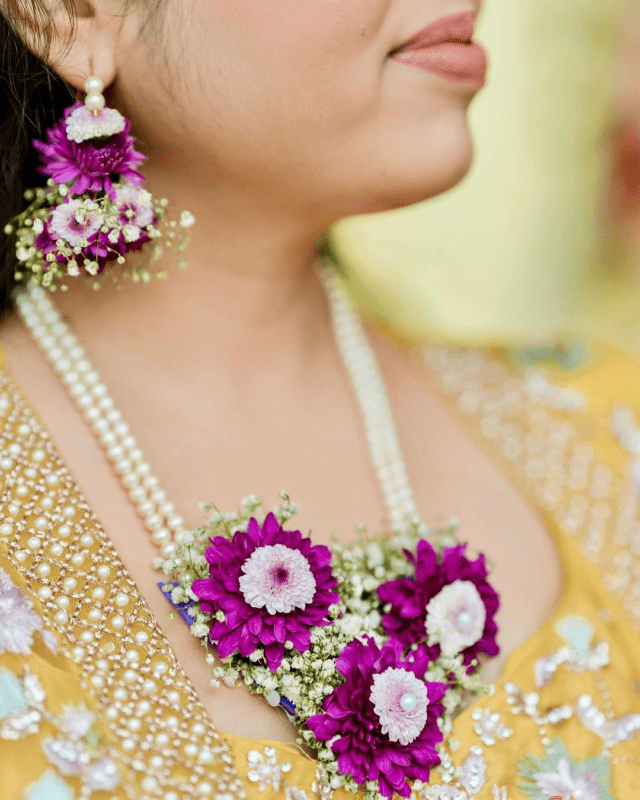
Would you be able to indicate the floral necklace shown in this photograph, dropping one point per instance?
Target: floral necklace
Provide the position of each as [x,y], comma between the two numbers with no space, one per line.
[370,648]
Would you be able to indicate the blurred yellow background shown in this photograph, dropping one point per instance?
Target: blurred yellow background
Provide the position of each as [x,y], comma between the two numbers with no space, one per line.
[532,259]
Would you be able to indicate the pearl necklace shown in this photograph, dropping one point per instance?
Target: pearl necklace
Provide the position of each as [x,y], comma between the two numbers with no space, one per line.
[159,515]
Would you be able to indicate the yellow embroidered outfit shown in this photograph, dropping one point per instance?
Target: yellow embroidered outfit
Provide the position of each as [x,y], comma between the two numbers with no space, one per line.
[93,700]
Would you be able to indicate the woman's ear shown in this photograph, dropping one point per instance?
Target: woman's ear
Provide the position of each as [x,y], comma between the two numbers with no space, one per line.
[75,38]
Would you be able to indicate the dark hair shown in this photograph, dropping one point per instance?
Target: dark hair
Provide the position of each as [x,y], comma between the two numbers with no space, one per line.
[34,98]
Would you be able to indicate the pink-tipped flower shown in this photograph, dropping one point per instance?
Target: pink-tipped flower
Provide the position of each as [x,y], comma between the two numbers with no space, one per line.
[93,165]
[272,586]
[449,600]
[384,716]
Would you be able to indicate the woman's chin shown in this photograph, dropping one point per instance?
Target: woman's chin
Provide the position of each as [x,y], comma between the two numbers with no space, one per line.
[423,181]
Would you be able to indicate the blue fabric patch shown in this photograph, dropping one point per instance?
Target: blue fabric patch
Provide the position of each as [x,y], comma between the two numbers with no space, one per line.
[11,694]
[49,787]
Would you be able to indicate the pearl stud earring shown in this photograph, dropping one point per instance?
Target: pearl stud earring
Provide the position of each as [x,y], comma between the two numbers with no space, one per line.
[94,100]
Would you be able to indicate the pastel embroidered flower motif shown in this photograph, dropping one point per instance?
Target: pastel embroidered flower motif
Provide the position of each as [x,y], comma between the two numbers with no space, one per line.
[375,709]
[266,770]
[87,166]
[67,755]
[271,585]
[83,124]
[566,782]
[558,773]
[449,599]
[18,620]
[77,720]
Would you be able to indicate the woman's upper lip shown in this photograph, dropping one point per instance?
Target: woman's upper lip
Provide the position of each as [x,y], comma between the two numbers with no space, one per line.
[454,28]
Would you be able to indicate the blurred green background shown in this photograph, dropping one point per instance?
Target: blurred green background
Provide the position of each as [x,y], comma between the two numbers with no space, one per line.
[534,259]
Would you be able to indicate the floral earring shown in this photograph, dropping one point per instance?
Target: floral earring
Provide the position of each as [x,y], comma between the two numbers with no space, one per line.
[93,210]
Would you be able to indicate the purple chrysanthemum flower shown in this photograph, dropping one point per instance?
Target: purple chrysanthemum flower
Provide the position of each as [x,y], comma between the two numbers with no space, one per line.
[450,599]
[272,586]
[93,166]
[384,715]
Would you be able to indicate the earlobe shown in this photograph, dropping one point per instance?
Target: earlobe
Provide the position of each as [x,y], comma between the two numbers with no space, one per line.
[76,41]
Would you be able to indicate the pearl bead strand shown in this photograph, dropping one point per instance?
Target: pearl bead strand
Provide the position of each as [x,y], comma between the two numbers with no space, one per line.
[370,390]
[166,527]
[91,397]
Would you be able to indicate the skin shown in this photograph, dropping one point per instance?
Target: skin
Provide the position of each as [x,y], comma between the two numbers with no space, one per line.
[270,121]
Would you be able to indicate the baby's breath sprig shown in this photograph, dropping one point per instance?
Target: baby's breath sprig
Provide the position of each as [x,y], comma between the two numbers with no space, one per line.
[296,622]
[60,236]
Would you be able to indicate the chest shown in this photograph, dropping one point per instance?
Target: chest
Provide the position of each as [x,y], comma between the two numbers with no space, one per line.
[316,450]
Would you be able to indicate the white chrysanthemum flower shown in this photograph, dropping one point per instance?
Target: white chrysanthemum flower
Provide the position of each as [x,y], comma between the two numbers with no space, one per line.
[456,617]
[75,221]
[83,124]
[278,578]
[137,204]
[400,701]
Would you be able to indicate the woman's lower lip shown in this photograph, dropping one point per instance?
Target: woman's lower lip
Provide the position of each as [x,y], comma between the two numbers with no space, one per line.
[461,61]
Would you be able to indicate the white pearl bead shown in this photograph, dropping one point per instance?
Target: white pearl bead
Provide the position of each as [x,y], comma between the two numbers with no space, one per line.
[95,101]
[464,620]
[408,702]
[93,84]
[117,622]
